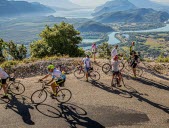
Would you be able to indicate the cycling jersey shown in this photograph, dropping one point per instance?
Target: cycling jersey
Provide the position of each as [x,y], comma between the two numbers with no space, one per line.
[114,53]
[115,65]
[86,62]
[132,48]
[56,73]
[94,48]
[3,74]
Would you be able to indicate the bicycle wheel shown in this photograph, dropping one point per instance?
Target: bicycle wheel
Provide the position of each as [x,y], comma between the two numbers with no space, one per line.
[63,95]
[67,70]
[94,75]
[39,96]
[106,68]
[79,74]
[16,88]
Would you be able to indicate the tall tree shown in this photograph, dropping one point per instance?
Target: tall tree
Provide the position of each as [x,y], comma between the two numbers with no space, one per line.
[60,39]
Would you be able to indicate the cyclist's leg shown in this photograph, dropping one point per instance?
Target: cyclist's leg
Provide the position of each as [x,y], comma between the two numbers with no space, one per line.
[4,86]
[87,73]
[134,69]
[113,75]
[120,78]
[54,87]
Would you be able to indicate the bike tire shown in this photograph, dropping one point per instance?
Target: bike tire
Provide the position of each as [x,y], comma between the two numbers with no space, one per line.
[16,88]
[35,97]
[79,74]
[106,68]
[61,94]
[94,75]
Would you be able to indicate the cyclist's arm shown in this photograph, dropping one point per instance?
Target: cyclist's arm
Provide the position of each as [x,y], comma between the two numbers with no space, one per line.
[50,81]
[45,77]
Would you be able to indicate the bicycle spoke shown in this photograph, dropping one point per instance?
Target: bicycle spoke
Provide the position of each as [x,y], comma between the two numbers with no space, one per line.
[64,95]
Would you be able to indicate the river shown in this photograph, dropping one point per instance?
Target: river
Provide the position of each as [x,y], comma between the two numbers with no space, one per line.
[114,40]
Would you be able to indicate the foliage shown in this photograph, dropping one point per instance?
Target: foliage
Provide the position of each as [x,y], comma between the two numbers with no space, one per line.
[18,52]
[2,58]
[59,39]
[104,50]
[39,49]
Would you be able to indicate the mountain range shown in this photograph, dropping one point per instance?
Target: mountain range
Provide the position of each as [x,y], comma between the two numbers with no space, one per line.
[122,5]
[136,15]
[113,6]
[10,8]
[66,4]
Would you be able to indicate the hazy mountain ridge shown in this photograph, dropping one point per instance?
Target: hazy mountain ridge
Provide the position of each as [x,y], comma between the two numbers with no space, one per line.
[92,26]
[150,4]
[113,6]
[9,8]
[66,4]
[136,15]
[123,5]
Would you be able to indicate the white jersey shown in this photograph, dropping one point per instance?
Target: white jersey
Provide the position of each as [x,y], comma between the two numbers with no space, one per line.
[3,74]
[56,74]
[86,62]
[115,65]
[114,53]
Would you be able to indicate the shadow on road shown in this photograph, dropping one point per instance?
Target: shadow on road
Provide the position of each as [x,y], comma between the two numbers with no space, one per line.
[132,93]
[21,108]
[74,115]
[109,89]
[74,118]
[153,83]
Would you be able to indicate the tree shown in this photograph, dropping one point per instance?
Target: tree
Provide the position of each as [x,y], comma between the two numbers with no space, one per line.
[2,46]
[39,49]
[18,52]
[104,50]
[60,39]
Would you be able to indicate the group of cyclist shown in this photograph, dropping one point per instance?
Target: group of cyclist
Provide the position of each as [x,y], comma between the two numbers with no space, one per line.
[115,62]
[59,78]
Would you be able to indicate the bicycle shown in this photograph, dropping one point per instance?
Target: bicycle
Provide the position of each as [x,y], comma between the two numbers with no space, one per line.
[107,67]
[15,87]
[39,96]
[79,73]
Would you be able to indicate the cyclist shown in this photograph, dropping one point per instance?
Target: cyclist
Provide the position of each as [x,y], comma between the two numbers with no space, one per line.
[94,51]
[87,66]
[58,78]
[132,48]
[4,76]
[134,62]
[114,52]
[115,70]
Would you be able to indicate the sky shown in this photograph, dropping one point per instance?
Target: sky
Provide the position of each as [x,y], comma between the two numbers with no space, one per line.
[99,2]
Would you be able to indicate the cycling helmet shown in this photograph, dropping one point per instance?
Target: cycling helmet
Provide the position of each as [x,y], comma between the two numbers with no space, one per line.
[50,67]
[63,72]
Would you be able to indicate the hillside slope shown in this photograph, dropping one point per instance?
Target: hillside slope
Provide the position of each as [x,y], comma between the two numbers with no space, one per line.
[136,15]
[9,8]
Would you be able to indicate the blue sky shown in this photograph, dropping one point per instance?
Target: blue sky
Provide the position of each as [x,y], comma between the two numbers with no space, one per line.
[98,2]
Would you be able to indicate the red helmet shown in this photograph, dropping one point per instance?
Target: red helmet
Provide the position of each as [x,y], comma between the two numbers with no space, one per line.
[116,57]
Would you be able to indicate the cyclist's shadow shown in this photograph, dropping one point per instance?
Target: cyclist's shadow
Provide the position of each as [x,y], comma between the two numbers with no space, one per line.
[20,108]
[70,114]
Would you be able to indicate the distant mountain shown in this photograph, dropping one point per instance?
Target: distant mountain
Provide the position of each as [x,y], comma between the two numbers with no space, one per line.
[136,15]
[66,4]
[150,4]
[8,8]
[92,26]
[113,6]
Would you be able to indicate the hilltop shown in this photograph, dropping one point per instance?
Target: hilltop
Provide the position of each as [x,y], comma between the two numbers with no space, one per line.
[15,8]
[133,16]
